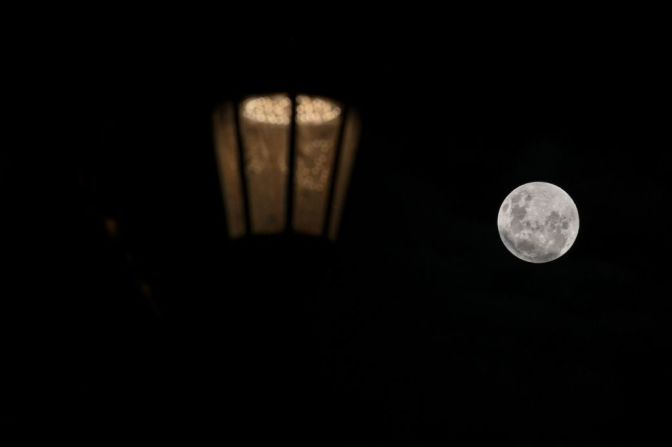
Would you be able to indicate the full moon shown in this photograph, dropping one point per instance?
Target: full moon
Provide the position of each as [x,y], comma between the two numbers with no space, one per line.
[538,222]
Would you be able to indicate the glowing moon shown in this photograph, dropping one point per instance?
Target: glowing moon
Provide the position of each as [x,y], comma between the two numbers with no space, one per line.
[538,222]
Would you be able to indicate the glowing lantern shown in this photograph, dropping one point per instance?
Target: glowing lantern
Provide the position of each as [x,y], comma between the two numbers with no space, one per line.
[282,171]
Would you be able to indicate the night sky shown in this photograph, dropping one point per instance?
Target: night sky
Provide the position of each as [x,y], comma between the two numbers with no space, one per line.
[417,327]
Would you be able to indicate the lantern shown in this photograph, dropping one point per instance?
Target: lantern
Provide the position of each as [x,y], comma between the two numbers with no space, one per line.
[285,163]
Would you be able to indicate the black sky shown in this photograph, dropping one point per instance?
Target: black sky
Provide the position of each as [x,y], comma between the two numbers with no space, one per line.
[417,327]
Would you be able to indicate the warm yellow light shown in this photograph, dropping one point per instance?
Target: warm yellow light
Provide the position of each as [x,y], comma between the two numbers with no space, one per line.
[275,109]
[265,136]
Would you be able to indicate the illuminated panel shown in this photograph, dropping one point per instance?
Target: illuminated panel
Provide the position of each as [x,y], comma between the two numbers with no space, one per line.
[318,124]
[226,148]
[344,172]
[264,126]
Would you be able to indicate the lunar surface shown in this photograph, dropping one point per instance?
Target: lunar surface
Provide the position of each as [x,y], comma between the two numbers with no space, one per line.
[538,222]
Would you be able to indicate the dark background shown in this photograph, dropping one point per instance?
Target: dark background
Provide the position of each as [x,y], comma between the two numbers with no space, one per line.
[417,327]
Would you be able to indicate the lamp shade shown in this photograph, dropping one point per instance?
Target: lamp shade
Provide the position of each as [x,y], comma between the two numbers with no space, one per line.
[285,168]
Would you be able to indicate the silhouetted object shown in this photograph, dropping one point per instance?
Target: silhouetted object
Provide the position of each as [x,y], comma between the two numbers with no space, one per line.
[257,143]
